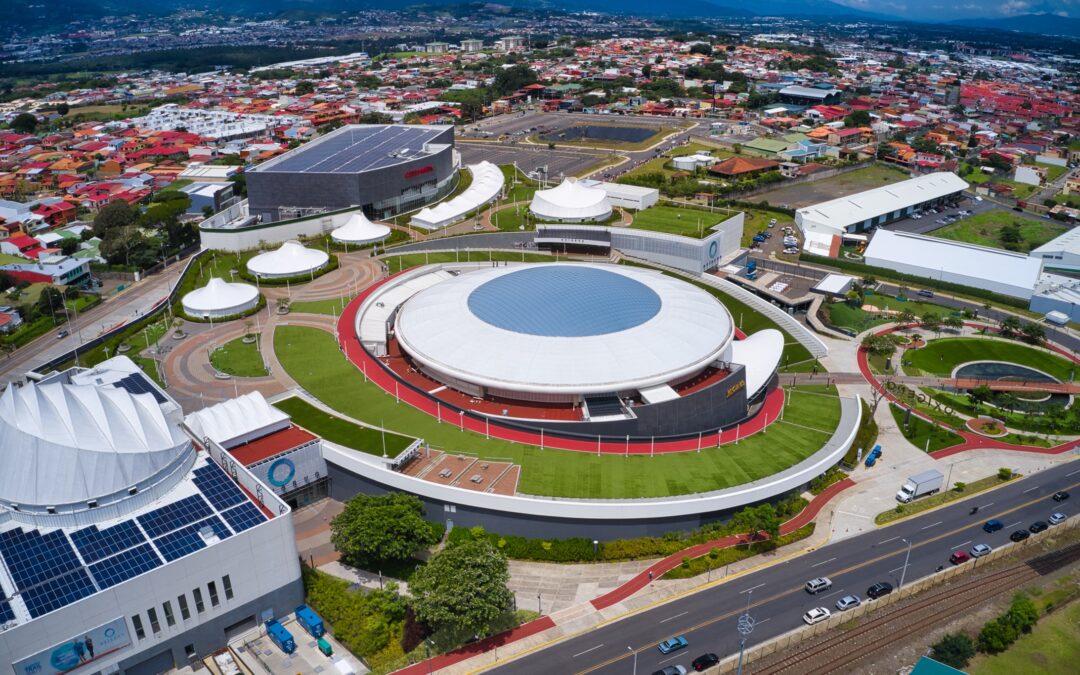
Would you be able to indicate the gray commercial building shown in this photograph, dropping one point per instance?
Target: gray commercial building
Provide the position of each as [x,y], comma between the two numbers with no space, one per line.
[385,169]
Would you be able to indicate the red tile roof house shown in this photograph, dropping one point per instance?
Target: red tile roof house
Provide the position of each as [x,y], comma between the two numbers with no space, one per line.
[57,214]
[21,245]
[742,166]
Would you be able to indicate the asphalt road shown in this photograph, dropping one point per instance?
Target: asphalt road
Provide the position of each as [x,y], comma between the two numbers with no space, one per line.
[776,594]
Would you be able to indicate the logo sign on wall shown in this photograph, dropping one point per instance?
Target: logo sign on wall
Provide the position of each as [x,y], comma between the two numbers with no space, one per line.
[413,173]
[281,472]
[77,652]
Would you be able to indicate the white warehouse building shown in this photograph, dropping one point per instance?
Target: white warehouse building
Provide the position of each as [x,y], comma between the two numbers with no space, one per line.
[124,546]
[991,269]
[865,210]
[1062,252]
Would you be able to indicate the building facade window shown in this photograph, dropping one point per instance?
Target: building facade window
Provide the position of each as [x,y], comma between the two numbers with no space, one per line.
[154,624]
[185,613]
[170,619]
[199,606]
[226,583]
[136,621]
[213,594]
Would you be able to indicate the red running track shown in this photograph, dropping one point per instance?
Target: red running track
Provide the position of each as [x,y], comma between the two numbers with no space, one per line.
[373,370]
[457,656]
[972,440]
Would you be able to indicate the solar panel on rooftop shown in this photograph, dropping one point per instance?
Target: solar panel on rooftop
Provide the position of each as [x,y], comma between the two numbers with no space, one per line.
[6,613]
[121,567]
[33,558]
[58,592]
[217,487]
[136,383]
[356,149]
[174,516]
[243,517]
[180,543]
[95,544]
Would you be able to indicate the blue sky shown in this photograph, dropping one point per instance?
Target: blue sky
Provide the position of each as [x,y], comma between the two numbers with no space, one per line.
[956,9]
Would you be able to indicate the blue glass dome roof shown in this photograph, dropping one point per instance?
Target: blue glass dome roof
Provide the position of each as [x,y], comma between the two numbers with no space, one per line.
[564,301]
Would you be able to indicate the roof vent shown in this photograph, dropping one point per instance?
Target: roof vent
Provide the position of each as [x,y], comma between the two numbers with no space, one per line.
[133,491]
[51,510]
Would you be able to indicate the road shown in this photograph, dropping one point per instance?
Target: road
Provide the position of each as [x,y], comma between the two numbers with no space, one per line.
[776,595]
[132,302]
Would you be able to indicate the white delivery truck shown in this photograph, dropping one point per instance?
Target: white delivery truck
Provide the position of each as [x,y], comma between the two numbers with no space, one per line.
[925,483]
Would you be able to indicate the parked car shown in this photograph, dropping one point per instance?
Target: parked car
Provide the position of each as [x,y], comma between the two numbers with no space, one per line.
[759,239]
[992,526]
[1060,496]
[878,590]
[979,550]
[848,602]
[705,661]
[1038,526]
[1056,518]
[62,334]
[1019,535]
[671,670]
[816,615]
[818,585]
[959,558]
[672,644]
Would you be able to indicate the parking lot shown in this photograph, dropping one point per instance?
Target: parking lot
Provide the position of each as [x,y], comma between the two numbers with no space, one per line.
[559,162]
[928,222]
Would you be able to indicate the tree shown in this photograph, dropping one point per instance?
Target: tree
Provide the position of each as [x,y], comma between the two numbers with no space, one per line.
[1022,614]
[51,301]
[880,345]
[509,80]
[980,394]
[952,322]
[1010,236]
[304,87]
[1010,324]
[859,118]
[462,589]
[996,636]
[930,321]
[1035,333]
[701,48]
[906,316]
[377,529]
[69,246]
[955,649]
[114,215]
[757,519]
[24,123]
[62,109]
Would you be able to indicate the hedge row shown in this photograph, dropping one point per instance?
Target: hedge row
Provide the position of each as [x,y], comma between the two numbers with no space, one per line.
[892,275]
[719,557]
[580,549]
[865,437]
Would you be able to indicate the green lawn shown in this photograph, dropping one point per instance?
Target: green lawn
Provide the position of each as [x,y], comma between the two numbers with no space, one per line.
[220,264]
[312,359]
[518,187]
[939,357]
[984,229]
[342,431]
[804,194]
[239,359]
[1053,646]
[845,315]
[944,497]
[332,306]
[511,218]
[688,222]
[918,431]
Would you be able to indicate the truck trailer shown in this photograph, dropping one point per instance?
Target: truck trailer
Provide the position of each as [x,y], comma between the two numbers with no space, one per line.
[925,483]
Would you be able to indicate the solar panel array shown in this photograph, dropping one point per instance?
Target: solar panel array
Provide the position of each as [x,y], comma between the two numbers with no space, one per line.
[123,566]
[49,574]
[243,517]
[136,383]
[175,515]
[356,149]
[218,487]
[188,539]
[95,544]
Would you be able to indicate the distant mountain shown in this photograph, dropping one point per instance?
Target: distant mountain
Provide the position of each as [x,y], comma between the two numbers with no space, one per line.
[1043,24]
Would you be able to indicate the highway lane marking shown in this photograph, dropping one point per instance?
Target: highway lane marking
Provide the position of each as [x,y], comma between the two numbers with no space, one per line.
[717,584]
[823,562]
[829,595]
[1073,473]
[887,541]
[670,658]
[1032,489]
[929,526]
[964,544]
[1014,524]
[986,505]
[587,650]
[674,617]
[750,589]
[758,623]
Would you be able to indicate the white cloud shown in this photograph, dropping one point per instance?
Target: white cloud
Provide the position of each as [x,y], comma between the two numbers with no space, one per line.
[1015,7]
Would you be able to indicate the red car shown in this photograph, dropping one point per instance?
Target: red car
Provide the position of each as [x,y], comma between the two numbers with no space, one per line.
[959,558]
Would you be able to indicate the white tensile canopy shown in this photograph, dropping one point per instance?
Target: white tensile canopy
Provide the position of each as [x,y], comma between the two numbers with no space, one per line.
[487,182]
[360,230]
[220,298]
[291,260]
[570,201]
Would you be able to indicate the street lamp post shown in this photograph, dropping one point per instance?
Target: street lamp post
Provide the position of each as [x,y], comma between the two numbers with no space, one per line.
[635,658]
[907,557]
[745,627]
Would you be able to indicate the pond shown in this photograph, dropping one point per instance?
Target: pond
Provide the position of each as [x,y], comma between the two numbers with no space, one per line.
[600,132]
[1000,370]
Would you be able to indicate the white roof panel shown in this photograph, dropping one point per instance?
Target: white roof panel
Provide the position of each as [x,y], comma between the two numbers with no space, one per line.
[856,208]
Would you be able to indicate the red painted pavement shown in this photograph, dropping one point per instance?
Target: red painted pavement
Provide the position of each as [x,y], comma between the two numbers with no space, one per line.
[972,440]
[659,568]
[450,658]
[375,371]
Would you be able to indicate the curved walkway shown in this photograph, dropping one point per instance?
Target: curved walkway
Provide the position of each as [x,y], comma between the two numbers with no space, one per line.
[972,440]
[373,370]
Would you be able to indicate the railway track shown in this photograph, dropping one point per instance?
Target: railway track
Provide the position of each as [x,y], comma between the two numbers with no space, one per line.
[845,649]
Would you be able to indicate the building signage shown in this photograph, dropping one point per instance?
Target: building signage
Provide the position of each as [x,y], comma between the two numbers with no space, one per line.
[77,652]
[735,387]
[413,173]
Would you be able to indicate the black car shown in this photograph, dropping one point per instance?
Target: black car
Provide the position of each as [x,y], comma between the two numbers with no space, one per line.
[1038,526]
[705,661]
[1061,496]
[1019,535]
[880,588]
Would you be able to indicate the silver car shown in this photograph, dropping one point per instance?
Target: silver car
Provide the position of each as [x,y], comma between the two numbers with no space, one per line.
[979,550]
[1057,518]
[848,602]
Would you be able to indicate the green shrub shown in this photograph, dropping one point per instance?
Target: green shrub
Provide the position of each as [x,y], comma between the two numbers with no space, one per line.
[955,650]
[833,475]
[865,437]
[1005,474]
[369,624]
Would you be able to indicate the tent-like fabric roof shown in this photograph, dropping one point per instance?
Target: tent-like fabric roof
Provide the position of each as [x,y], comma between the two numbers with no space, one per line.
[487,182]
[570,200]
[70,443]
[218,295]
[760,354]
[360,230]
[289,260]
[230,422]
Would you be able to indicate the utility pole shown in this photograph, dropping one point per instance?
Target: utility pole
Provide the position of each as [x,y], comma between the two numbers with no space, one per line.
[907,557]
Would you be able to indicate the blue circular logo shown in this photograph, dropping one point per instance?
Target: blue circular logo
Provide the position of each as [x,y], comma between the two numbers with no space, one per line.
[281,472]
[713,249]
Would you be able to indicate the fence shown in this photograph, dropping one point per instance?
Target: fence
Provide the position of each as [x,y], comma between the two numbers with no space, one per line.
[795,637]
